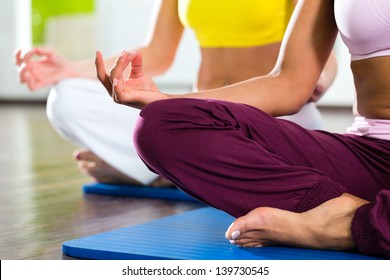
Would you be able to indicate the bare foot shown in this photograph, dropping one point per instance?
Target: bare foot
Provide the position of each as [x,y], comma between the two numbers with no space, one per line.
[93,166]
[325,227]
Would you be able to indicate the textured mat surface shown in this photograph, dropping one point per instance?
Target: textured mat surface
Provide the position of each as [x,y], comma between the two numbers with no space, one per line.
[137,191]
[193,235]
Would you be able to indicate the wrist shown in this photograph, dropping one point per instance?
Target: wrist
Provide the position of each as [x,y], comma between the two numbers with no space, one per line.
[81,69]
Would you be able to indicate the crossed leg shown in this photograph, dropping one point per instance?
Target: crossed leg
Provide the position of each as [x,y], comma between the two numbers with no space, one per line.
[288,185]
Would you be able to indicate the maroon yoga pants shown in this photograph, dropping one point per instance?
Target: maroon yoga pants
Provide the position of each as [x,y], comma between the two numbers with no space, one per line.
[235,157]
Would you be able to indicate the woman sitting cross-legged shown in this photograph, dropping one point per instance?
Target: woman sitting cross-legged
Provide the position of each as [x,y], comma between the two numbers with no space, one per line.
[285,184]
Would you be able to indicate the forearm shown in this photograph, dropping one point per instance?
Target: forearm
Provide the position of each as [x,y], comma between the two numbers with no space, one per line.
[329,73]
[326,79]
[271,94]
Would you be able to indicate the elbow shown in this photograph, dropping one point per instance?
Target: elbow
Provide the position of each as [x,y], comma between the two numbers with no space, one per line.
[292,96]
[292,92]
[296,107]
[157,62]
[292,107]
[287,104]
[302,97]
[157,65]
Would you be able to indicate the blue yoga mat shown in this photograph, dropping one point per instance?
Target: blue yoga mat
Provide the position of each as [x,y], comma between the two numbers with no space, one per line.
[193,235]
[138,191]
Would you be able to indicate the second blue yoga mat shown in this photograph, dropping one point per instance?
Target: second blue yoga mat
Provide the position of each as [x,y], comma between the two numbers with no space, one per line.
[138,191]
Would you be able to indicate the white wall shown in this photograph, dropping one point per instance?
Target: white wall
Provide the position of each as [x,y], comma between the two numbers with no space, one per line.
[123,24]
[15,31]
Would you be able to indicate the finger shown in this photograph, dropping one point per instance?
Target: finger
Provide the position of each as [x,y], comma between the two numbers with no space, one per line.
[47,53]
[117,90]
[136,66]
[113,92]
[23,75]
[31,82]
[121,64]
[44,53]
[18,57]
[28,56]
[102,73]
[34,85]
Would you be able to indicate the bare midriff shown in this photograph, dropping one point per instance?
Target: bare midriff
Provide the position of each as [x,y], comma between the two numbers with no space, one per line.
[372,81]
[224,66]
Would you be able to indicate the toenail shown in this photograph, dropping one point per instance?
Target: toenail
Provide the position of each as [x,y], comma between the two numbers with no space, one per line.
[235,234]
[227,231]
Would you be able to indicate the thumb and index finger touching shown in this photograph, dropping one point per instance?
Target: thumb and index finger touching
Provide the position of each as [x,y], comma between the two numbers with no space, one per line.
[136,66]
[21,58]
[114,80]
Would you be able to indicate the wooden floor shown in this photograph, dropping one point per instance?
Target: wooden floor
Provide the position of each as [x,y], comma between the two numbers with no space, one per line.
[41,201]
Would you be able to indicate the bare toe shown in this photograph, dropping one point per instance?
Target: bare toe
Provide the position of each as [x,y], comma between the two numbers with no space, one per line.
[259,227]
[326,226]
[85,155]
[93,166]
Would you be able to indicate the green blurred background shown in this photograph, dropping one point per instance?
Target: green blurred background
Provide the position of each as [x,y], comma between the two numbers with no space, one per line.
[43,9]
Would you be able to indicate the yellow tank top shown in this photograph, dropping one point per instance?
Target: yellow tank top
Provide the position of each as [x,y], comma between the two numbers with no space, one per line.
[236,23]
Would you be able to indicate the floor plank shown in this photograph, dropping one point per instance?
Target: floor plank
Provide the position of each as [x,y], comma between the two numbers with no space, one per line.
[41,200]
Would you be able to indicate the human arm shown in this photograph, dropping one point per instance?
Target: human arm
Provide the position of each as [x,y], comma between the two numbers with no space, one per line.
[327,76]
[42,67]
[305,49]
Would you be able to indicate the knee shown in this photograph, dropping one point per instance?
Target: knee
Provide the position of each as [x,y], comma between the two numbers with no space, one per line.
[168,127]
[169,130]
[163,130]
[152,132]
[64,107]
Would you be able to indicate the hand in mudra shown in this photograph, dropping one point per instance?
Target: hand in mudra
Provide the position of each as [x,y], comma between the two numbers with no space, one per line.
[42,67]
[135,91]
